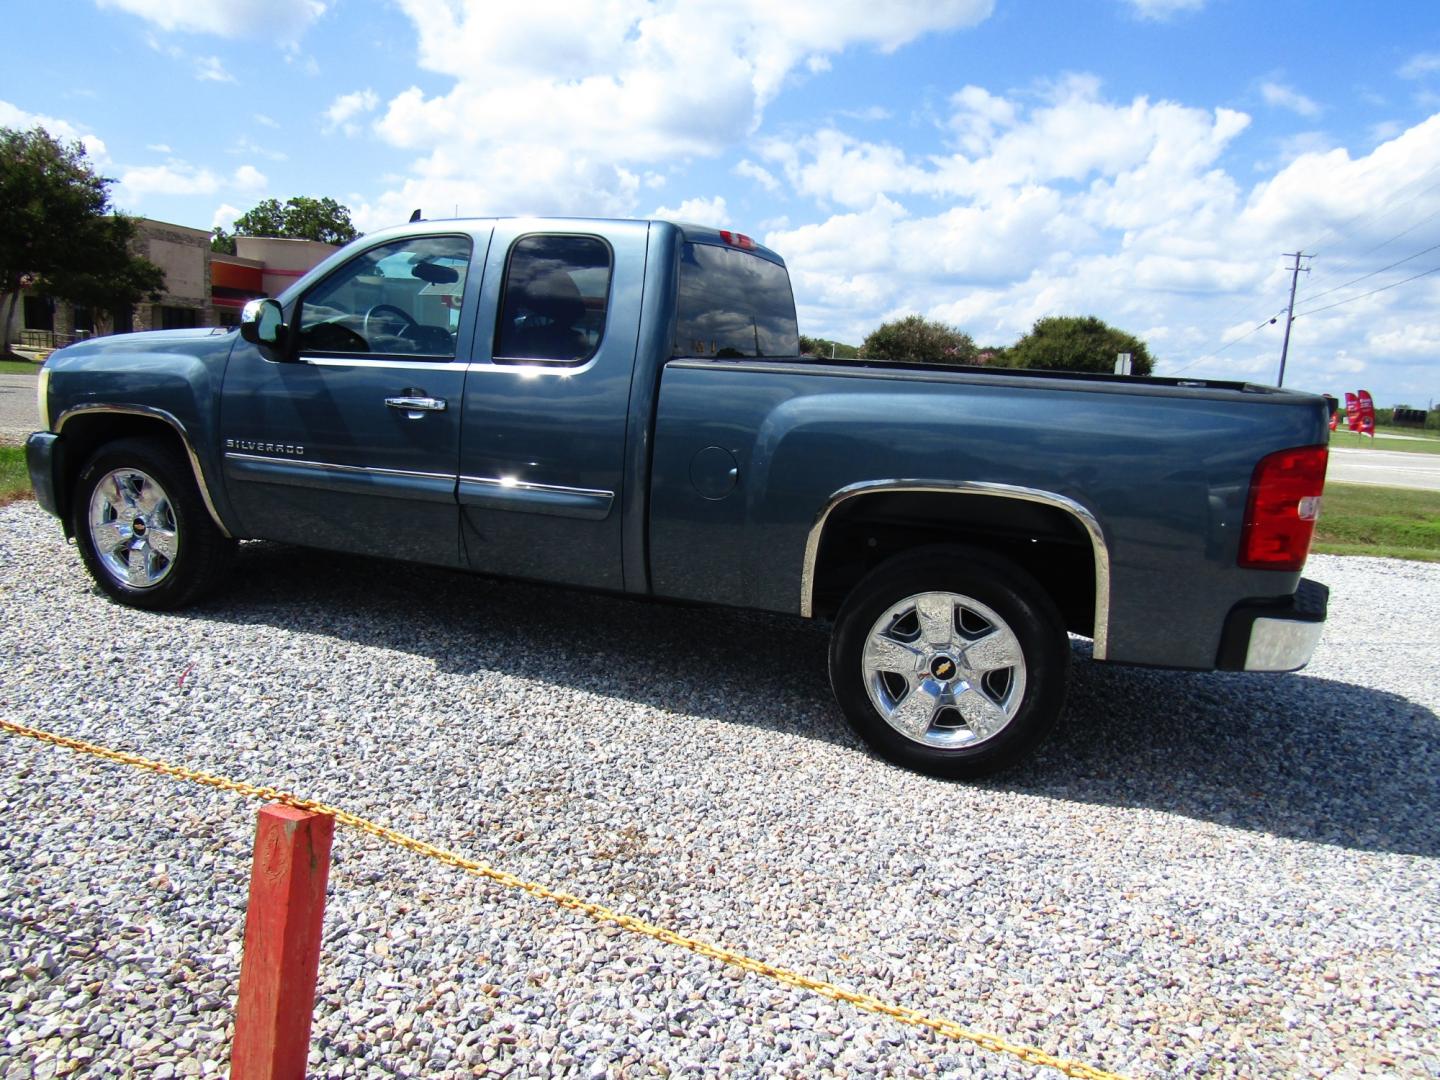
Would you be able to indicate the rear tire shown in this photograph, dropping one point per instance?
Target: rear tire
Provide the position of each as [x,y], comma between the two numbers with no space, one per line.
[950,661]
[142,529]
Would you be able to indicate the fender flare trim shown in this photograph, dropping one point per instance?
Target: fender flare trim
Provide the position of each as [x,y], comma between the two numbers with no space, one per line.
[1086,519]
[179,429]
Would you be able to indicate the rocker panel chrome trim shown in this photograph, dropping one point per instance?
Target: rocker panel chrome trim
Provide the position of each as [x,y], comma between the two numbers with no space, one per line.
[971,487]
[325,466]
[154,414]
[591,504]
[357,479]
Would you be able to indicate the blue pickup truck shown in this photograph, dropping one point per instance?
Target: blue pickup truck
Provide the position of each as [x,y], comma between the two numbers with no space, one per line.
[620,405]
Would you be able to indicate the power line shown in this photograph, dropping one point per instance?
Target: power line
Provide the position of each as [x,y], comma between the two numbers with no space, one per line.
[1336,230]
[1372,292]
[1389,207]
[1380,212]
[1404,232]
[1362,277]
[1228,344]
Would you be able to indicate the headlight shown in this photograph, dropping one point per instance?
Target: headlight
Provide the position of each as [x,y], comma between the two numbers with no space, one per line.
[42,397]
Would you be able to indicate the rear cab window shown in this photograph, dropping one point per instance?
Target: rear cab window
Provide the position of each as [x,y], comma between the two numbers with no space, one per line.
[733,304]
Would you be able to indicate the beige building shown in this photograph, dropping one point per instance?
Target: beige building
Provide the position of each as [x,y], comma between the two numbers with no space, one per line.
[202,288]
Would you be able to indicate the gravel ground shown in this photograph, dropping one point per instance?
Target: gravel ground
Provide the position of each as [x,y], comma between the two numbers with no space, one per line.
[1218,875]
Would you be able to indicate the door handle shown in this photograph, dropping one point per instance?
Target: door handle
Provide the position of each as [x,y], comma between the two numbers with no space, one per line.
[417,404]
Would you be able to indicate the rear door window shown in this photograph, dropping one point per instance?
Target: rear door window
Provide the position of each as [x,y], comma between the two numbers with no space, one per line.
[557,291]
[733,304]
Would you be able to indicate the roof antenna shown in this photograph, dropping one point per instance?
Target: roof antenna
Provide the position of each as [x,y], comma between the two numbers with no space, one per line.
[415,216]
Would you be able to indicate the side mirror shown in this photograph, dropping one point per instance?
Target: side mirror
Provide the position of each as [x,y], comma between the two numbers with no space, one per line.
[262,323]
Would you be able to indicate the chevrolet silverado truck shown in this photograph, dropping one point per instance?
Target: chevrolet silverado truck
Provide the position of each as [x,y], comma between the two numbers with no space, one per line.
[620,405]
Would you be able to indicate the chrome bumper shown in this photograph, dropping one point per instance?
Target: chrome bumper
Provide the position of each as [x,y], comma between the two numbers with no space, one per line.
[1275,635]
[1281,644]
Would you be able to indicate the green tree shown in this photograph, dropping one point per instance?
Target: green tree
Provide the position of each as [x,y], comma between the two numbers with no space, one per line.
[58,233]
[112,277]
[300,218]
[918,339]
[825,348]
[1078,343]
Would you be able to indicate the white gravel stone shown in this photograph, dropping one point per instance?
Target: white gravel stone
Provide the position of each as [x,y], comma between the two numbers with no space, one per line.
[1227,875]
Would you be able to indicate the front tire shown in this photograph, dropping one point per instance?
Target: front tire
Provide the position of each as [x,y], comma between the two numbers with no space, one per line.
[143,532]
[950,661]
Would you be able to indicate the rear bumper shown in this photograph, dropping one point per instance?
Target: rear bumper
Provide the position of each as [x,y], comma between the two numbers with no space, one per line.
[1275,635]
[42,458]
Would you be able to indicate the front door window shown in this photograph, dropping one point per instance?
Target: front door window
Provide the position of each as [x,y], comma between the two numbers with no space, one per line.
[397,299]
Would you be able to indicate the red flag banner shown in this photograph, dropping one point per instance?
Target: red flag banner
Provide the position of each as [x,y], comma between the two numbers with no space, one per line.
[1367,413]
[1352,411]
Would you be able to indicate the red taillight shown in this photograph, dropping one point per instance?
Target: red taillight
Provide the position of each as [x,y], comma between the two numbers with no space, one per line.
[1281,512]
[739,240]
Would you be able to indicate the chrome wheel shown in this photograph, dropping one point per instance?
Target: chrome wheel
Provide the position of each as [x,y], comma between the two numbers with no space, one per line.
[944,670]
[132,527]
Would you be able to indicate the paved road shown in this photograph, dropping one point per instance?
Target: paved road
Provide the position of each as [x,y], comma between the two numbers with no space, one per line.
[17,408]
[1390,468]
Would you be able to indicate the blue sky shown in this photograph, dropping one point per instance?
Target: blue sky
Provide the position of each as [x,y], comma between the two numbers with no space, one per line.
[985,162]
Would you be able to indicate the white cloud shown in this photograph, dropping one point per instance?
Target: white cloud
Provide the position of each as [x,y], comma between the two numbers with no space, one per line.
[1159,10]
[343,111]
[1140,156]
[159,148]
[12,116]
[1415,340]
[139,183]
[758,173]
[283,20]
[517,180]
[1082,205]
[978,115]
[1420,65]
[175,178]
[265,121]
[224,216]
[250,148]
[1384,131]
[249,178]
[616,85]
[696,212]
[871,113]
[212,69]
[1280,96]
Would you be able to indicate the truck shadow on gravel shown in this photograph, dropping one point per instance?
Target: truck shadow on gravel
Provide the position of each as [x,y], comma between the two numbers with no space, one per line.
[1295,756]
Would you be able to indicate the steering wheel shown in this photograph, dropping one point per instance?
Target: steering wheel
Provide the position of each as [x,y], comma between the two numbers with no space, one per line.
[407,322]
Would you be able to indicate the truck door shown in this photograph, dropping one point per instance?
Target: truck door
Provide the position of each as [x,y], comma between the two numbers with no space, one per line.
[352,441]
[543,439]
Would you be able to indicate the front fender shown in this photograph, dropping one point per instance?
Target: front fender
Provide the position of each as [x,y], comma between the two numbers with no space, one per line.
[169,378]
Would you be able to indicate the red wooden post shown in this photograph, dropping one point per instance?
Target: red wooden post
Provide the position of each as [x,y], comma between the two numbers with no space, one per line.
[283,926]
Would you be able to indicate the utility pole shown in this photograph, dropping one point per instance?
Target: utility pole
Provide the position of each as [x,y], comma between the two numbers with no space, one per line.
[1290,311]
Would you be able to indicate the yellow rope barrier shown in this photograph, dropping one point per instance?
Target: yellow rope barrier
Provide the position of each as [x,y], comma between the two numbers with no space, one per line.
[597,912]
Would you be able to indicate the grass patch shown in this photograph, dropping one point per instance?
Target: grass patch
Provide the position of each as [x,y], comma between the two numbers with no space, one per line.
[19,367]
[1366,519]
[14,477]
[1423,442]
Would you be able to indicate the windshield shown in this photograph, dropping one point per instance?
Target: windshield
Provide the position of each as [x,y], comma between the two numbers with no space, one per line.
[733,304]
